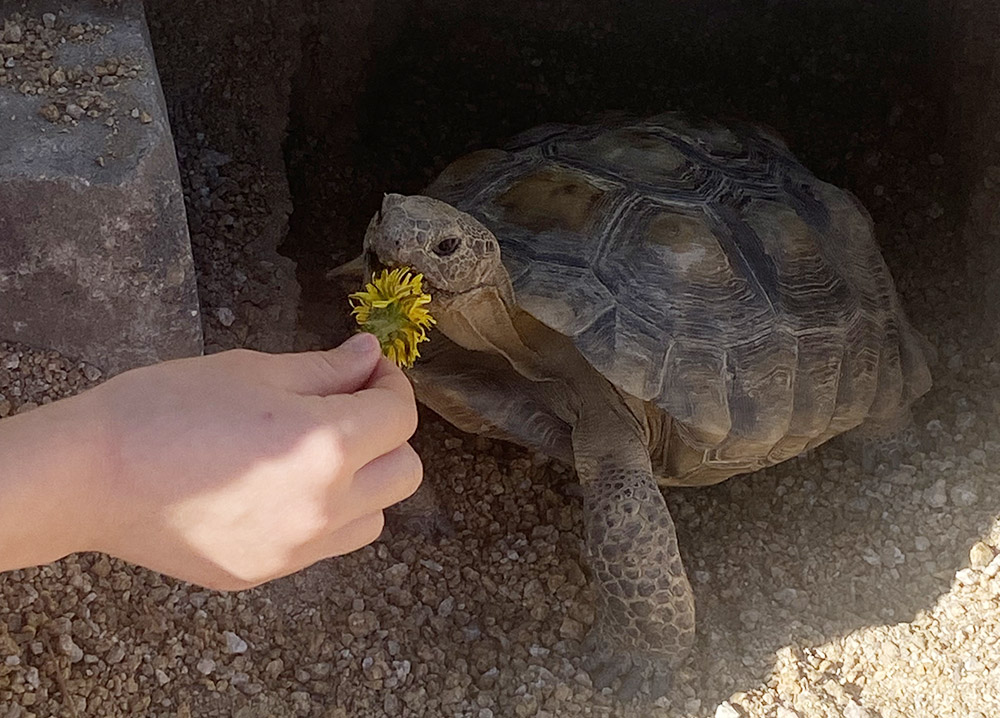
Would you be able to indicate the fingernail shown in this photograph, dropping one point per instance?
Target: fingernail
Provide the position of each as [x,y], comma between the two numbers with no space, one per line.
[362,343]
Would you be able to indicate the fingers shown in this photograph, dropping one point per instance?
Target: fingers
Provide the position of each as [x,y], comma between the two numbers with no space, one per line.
[376,419]
[386,480]
[350,537]
[387,375]
[342,370]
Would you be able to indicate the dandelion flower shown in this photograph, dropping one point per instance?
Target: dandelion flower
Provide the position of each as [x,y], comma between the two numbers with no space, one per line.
[393,308]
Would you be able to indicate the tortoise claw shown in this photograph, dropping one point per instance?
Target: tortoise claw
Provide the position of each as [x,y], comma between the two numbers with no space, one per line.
[420,515]
[427,526]
[637,672]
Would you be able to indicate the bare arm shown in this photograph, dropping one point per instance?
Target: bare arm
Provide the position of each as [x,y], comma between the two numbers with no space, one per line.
[47,470]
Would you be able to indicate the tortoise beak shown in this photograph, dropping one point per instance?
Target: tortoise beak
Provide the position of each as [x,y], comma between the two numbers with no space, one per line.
[373,265]
[354,271]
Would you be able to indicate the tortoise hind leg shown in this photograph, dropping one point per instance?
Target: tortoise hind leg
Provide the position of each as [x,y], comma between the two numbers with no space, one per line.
[888,434]
[881,445]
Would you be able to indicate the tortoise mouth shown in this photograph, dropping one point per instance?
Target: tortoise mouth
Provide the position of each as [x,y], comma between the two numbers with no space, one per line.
[374,264]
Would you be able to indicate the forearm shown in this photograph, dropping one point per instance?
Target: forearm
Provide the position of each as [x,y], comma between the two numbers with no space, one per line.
[47,471]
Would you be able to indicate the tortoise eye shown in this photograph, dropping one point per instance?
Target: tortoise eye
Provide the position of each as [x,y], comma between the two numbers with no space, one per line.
[446,246]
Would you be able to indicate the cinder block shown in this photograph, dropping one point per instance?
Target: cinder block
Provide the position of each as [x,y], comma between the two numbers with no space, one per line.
[95,258]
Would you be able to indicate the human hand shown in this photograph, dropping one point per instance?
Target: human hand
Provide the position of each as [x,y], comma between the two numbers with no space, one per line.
[237,468]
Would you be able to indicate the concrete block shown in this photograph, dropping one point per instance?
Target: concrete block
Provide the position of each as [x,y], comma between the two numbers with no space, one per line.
[95,258]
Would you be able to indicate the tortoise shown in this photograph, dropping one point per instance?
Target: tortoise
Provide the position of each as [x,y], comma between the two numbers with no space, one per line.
[661,301]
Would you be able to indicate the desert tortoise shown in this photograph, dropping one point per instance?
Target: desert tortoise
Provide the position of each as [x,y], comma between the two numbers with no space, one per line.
[661,302]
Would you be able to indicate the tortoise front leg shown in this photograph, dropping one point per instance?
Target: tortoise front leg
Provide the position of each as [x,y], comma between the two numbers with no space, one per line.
[645,622]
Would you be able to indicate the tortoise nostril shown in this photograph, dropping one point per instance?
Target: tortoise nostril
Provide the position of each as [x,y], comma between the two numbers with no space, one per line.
[446,246]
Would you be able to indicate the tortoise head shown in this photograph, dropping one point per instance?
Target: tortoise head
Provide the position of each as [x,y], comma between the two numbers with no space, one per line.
[452,249]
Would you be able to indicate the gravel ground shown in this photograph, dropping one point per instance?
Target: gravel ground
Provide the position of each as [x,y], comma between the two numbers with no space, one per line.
[821,591]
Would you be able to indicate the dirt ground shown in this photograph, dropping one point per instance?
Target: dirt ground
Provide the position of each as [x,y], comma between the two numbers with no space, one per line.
[821,591]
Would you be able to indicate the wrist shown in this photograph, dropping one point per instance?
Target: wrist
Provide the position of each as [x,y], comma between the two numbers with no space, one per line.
[51,483]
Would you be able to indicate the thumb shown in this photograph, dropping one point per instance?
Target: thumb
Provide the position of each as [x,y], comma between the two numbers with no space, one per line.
[341,370]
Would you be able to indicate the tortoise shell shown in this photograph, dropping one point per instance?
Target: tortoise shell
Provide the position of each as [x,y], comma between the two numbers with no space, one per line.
[701,268]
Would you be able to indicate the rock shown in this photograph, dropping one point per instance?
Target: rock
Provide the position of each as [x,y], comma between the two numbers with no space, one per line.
[361,623]
[12,32]
[116,654]
[993,568]
[69,649]
[526,706]
[432,565]
[936,496]
[446,607]
[396,573]
[854,710]
[95,260]
[980,554]
[205,666]
[966,576]
[225,316]
[963,495]
[726,710]
[572,629]
[234,644]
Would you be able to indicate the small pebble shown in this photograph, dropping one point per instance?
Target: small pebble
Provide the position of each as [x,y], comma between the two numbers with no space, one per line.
[937,496]
[115,654]
[980,554]
[69,649]
[963,495]
[446,607]
[967,576]
[234,644]
[226,316]
[12,32]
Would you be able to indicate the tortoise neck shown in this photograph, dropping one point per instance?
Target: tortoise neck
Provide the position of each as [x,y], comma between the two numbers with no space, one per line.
[483,320]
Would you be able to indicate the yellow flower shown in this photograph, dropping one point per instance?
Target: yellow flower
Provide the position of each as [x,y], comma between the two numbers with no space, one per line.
[392,307]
